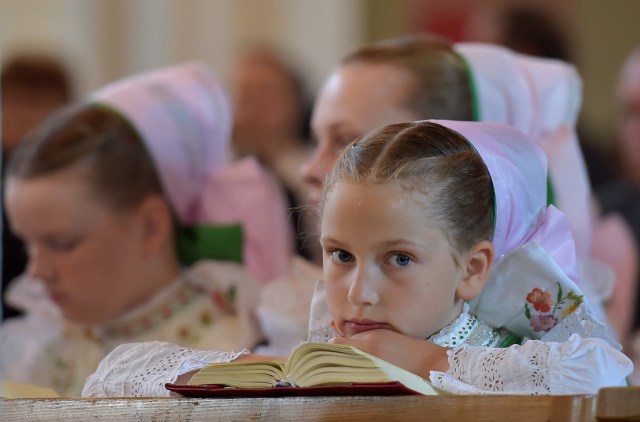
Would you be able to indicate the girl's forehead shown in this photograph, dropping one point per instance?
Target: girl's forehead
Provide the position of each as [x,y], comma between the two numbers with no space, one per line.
[42,206]
[69,191]
[358,195]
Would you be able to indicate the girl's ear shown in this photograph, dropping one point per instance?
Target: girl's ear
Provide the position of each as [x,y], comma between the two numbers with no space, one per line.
[156,223]
[477,265]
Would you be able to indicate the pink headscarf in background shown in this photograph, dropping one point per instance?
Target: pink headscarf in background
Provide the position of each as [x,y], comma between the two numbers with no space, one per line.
[183,115]
[542,98]
[518,169]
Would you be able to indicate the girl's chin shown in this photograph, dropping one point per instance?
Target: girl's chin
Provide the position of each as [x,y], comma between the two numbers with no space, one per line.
[80,317]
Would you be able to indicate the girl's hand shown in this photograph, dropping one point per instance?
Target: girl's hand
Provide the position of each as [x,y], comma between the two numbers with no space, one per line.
[414,355]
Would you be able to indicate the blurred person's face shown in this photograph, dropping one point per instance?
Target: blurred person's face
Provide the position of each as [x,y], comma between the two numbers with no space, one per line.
[22,111]
[85,253]
[357,98]
[265,108]
[629,99]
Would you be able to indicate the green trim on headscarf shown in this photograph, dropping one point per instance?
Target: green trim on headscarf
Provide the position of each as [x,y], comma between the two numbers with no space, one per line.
[551,196]
[475,116]
[224,243]
[473,88]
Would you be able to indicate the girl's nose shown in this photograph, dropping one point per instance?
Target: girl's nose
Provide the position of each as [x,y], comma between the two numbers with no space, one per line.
[39,265]
[363,289]
[315,169]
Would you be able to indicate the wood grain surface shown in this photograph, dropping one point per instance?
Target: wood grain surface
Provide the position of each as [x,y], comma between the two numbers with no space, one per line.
[445,408]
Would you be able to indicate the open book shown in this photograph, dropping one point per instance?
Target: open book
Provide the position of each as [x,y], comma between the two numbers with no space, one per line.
[315,365]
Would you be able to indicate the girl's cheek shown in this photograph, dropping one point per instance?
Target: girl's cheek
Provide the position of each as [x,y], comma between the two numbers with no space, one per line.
[335,328]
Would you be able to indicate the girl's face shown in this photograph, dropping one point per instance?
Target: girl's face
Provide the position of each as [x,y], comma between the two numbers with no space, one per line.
[85,254]
[385,266]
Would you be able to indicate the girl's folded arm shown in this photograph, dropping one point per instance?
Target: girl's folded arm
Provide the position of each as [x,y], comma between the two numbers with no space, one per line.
[143,369]
[576,366]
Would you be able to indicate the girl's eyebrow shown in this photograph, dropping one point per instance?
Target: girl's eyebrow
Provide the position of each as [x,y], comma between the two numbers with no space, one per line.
[386,244]
[400,242]
[327,239]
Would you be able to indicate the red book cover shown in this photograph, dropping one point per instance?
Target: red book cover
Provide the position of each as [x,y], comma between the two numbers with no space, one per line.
[353,389]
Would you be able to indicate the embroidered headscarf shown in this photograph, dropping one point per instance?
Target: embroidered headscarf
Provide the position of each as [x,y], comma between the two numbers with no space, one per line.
[542,98]
[535,277]
[183,115]
[518,170]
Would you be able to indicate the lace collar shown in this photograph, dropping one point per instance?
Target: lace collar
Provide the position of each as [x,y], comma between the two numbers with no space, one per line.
[162,307]
[467,329]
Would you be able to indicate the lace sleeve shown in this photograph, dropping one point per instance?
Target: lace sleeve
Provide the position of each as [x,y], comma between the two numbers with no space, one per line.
[576,366]
[142,369]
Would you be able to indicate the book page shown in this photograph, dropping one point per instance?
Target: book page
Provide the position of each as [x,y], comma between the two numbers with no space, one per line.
[242,375]
[324,363]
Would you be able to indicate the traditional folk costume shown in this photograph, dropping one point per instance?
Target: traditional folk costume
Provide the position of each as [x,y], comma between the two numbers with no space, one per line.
[531,299]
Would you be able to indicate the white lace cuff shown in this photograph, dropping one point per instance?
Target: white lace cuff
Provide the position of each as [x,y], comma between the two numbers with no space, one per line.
[576,366]
[142,369]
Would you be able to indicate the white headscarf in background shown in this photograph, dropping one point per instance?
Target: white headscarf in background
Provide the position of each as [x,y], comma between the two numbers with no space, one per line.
[542,98]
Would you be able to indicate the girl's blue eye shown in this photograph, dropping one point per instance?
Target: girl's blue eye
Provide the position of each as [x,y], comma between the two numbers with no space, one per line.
[400,260]
[341,256]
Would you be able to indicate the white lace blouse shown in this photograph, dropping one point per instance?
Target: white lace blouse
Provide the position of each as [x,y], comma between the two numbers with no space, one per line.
[565,349]
[575,366]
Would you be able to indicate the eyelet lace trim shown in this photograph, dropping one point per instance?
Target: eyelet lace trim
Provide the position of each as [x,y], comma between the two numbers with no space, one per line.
[143,369]
[467,329]
[480,370]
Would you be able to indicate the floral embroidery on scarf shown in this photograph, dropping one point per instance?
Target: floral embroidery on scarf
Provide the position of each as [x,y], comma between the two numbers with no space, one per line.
[546,314]
[540,299]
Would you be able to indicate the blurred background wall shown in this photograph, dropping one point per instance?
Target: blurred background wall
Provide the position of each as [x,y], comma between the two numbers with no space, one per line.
[102,40]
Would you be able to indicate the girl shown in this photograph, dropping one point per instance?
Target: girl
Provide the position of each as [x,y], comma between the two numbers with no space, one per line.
[96,193]
[414,217]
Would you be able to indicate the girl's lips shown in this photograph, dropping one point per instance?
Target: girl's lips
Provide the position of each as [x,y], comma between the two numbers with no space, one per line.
[56,297]
[355,327]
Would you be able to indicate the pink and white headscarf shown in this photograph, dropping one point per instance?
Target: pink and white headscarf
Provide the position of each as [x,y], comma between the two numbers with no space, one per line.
[183,115]
[518,169]
[542,98]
